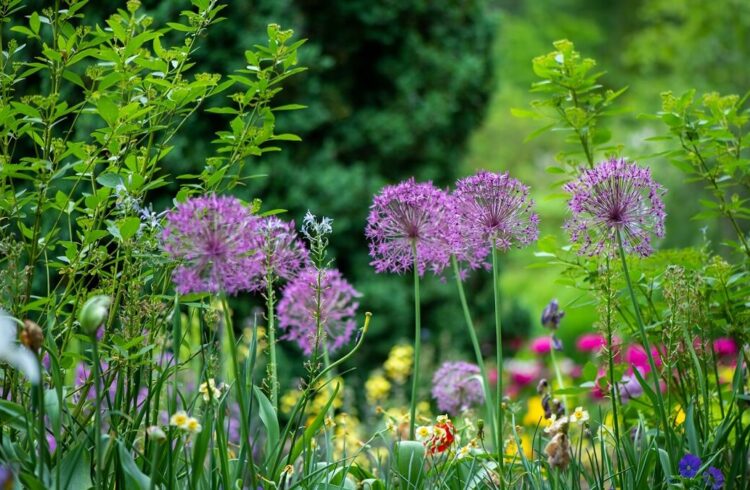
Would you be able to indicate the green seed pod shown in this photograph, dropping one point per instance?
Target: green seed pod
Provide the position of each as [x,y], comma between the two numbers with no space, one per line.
[94,313]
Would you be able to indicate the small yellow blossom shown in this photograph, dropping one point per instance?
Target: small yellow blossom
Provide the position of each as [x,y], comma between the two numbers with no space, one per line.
[511,449]
[679,417]
[398,366]
[423,432]
[179,419]
[193,425]
[288,400]
[579,415]
[534,412]
[377,388]
[209,390]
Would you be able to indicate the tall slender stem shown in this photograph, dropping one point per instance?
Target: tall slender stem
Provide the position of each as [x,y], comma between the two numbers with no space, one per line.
[417,347]
[39,390]
[614,391]
[272,342]
[97,414]
[646,346]
[488,396]
[499,344]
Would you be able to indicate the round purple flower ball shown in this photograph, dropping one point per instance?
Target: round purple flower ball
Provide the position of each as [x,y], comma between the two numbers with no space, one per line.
[215,240]
[338,307]
[457,386]
[492,209]
[405,218]
[615,196]
[282,253]
[689,465]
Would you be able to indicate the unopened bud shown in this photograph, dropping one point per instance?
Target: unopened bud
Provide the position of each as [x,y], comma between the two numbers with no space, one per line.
[156,433]
[94,313]
[32,336]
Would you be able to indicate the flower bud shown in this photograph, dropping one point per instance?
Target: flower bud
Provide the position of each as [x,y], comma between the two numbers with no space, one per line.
[156,433]
[32,336]
[94,313]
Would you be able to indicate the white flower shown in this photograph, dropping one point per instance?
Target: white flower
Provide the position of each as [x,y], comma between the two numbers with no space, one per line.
[579,415]
[14,354]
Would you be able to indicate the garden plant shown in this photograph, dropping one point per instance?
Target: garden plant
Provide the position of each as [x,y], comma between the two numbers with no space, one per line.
[140,338]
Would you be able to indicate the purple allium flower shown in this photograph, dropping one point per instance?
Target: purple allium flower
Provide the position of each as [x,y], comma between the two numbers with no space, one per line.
[405,216]
[456,386]
[615,195]
[216,239]
[282,253]
[713,478]
[492,208]
[689,465]
[337,303]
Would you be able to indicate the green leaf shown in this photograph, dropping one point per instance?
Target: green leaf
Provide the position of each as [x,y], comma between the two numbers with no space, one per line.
[75,469]
[134,477]
[109,180]
[128,227]
[270,421]
[34,22]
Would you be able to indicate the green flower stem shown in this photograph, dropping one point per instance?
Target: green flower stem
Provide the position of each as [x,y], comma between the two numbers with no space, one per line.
[488,395]
[499,344]
[239,380]
[614,392]
[39,391]
[558,374]
[98,454]
[646,346]
[272,342]
[417,347]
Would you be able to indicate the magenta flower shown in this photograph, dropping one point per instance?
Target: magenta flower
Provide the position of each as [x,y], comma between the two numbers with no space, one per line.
[615,196]
[636,357]
[457,386]
[523,373]
[282,253]
[492,208]
[215,240]
[405,217]
[725,347]
[591,342]
[541,345]
[337,303]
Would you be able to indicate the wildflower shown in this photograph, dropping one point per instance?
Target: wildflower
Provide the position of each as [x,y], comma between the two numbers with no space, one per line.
[725,347]
[179,419]
[216,239]
[312,227]
[209,390]
[399,363]
[377,388]
[16,355]
[629,388]
[679,416]
[512,449]
[423,432]
[409,218]
[713,478]
[579,416]
[297,310]
[282,254]
[7,479]
[156,433]
[493,209]
[534,412]
[193,425]
[615,196]
[522,372]
[541,345]
[289,400]
[689,465]
[463,452]
[636,356]
[552,315]
[456,386]
[443,435]
[591,342]
[557,425]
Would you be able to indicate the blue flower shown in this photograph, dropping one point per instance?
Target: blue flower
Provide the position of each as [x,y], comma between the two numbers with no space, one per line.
[713,478]
[689,465]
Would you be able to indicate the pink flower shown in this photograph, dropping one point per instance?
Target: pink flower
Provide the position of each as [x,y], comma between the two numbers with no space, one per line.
[523,373]
[591,342]
[636,356]
[541,345]
[725,347]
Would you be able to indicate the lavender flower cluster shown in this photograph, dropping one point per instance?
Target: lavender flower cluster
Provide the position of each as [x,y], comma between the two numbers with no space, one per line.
[457,386]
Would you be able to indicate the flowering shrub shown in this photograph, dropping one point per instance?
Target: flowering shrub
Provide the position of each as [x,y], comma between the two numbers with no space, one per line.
[125,364]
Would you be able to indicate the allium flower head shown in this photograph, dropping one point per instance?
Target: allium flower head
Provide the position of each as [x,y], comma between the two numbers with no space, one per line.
[282,252]
[493,208]
[689,465]
[456,386]
[215,238]
[406,216]
[615,195]
[337,303]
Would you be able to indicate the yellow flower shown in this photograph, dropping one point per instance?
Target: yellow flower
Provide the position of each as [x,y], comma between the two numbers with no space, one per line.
[726,374]
[288,400]
[179,419]
[193,425]
[679,417]
[579,415]
[511,449]
[215,392]
[399,363]
[377,388]
[534,412]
